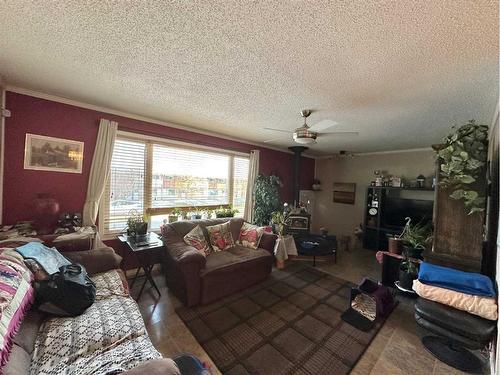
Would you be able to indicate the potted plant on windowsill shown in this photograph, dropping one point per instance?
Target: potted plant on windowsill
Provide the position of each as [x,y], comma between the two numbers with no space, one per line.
[222,212]
[137,224]
[195,215]
[174,215]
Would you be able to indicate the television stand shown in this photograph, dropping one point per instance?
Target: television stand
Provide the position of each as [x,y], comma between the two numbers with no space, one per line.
[387,207]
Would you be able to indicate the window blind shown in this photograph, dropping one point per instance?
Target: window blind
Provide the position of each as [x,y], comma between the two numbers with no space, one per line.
[125,189]
[186,177]
[147,175]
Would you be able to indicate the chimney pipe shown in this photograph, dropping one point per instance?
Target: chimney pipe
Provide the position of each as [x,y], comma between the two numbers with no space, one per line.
[297,150]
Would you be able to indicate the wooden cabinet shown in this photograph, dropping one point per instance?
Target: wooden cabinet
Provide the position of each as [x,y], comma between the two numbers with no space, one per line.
[458,237]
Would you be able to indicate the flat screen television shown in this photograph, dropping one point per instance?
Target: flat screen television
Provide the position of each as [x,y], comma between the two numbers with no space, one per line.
[396,210]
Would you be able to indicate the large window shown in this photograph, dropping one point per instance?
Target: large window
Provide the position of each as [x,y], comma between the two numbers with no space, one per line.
[152,177]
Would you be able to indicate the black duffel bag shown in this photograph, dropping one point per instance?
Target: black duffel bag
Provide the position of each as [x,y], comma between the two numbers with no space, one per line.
[68,292]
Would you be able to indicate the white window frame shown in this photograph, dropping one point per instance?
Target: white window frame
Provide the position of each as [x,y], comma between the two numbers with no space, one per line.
[150,141]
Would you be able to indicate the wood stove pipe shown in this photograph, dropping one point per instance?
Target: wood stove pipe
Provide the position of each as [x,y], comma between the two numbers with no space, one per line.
[297,150]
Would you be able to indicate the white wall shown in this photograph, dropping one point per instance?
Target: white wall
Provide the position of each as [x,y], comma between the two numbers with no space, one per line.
[342,219]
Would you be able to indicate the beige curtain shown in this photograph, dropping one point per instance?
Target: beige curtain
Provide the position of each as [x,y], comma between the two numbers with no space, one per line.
[253,171]
[99,171]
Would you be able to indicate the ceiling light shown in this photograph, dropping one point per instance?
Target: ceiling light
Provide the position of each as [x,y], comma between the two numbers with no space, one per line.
[304,136]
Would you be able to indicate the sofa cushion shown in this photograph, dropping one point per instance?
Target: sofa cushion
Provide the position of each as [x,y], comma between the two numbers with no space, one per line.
[220,236]
[26,336]
[250,235]
[196,238]
[232,257]
[105,335]
[19,362]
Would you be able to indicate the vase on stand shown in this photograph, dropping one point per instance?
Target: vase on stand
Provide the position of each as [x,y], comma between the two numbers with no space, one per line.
[45,214]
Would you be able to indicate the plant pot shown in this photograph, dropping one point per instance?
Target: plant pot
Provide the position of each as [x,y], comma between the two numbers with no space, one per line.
[406,279]
[141,229]
[195,217]
[395,245]
[413,252]
[172,218]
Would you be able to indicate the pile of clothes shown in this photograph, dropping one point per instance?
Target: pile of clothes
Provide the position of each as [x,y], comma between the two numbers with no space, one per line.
[466,291]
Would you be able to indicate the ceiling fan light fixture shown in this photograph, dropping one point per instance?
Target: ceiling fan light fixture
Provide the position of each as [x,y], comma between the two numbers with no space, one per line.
[304,136]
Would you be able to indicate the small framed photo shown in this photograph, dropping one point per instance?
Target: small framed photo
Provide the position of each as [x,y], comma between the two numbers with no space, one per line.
[43,153]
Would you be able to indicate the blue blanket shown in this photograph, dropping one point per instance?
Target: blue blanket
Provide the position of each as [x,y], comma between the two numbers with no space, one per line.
[48,258]
[460,281]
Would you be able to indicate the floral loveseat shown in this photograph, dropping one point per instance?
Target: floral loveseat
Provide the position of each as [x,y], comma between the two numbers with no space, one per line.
[108,338]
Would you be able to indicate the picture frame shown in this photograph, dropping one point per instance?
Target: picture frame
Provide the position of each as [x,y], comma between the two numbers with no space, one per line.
[43,153]
[344,192]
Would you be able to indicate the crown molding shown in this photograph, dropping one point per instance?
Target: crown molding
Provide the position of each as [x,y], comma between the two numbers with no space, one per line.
[356,154]
[76,103]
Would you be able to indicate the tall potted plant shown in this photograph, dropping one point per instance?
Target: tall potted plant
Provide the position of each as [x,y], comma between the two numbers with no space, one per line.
[462,159]
[267,198]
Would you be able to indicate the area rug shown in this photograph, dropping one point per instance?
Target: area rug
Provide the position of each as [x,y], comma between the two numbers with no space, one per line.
[288,324]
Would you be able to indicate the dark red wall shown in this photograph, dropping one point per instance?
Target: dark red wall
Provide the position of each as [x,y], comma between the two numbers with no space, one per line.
[45,117]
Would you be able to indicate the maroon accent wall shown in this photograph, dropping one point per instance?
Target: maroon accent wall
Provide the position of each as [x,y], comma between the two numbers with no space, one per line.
[49,118]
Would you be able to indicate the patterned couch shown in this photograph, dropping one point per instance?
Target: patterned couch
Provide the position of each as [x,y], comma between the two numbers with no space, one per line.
[109,338]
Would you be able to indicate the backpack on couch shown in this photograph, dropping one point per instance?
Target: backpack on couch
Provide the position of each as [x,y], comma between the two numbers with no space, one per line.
[68,292]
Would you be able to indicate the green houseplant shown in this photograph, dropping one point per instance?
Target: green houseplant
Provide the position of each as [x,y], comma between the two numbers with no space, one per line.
[462,159]
[279,221]
[415,238]
[267,198]
[408,271]
[137,224]
[174,215]
[225,212]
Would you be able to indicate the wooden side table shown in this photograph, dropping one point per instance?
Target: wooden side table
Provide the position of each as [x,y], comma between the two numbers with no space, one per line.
[146,249]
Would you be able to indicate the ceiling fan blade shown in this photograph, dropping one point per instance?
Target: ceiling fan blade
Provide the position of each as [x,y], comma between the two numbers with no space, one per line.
[273,140]
[338,133]
[279,130]
[323,125]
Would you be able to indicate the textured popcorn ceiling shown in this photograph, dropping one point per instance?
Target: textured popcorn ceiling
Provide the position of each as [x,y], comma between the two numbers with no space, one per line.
[399,72]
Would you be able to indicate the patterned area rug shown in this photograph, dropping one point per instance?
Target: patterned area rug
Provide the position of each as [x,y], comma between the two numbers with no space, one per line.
[288,324]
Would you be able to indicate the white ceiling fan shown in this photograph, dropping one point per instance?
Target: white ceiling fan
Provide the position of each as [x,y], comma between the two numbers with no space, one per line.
[306,134]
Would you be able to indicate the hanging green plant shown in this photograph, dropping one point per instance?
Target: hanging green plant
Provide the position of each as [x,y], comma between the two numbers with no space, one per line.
[267,198]
[463,164]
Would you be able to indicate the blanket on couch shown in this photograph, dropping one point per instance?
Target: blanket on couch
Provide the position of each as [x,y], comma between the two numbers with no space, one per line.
[110,337]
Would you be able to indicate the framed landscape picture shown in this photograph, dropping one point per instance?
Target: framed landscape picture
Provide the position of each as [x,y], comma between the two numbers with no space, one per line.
[344,192]
[43,153]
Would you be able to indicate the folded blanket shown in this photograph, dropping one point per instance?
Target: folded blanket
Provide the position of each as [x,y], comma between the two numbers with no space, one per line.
[485,307]
[460,281]
[48,258]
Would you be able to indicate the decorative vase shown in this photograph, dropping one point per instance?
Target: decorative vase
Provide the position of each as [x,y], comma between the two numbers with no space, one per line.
[45,213]
[141,229]
[395,245]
